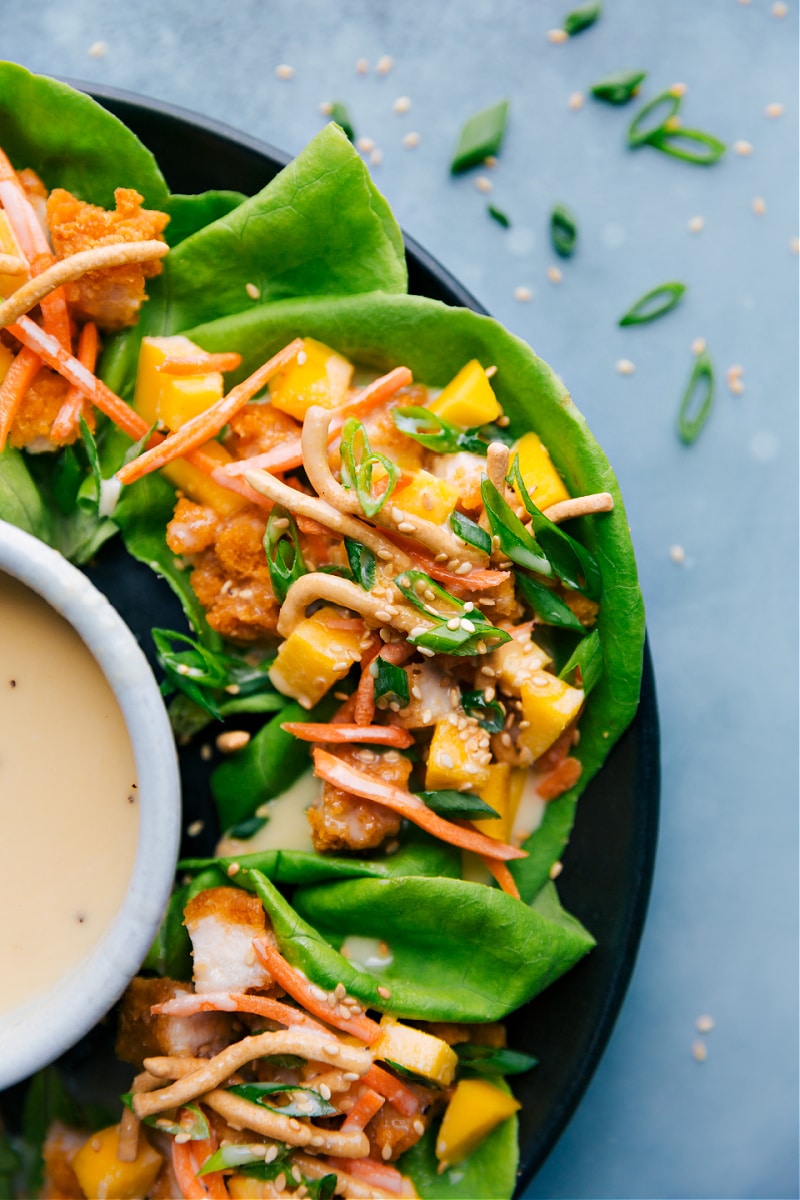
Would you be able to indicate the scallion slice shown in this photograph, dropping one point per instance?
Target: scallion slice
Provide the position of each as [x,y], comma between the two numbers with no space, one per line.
[340,114]
[470,532]
[548,606]
[563,230]
[638,135]
[618,88]
[679,143]
[498,215]
[697,400]
[653,304]
[515,540]
[434,433]
[487,713]
[581,18]
[480,137]
[362,563]
[463,805]
[313,1104]
[571,561]
[585,665]
[492,1060]
[358,463]
[391,682]
[282,548]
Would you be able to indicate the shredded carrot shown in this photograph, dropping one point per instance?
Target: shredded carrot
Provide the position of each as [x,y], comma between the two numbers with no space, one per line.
[346,714]
[333,770]
[309,525]
[207,424]
[369,1170]
[397,1093]
[383,735]
[67,421]
[299,987]
[187,1160]
[18,378]
[262,1006]
[364,703]
[364,1109]
[500,872]
[560,779]
[200,364]
[478,579]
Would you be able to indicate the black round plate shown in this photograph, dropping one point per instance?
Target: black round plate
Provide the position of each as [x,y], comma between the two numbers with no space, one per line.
[608,865]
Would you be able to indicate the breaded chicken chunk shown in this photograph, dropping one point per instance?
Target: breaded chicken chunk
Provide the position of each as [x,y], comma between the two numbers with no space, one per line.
[222,924]
[342,821]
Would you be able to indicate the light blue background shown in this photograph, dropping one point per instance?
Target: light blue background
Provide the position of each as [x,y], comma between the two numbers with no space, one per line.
[721,937]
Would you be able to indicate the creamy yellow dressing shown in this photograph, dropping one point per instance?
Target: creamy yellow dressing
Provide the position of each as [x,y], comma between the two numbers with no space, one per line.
[287,825]
[67,796]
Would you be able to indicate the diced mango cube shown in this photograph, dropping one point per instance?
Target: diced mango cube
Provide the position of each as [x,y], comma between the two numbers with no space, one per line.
[455,757]
[516,661]
[318,375]
[200,487]
[246,1187]
[9,245]
[313,658]
[502,792]
[548,705]
[427,497]
[545,485]
[476,1108]
[468,400]
[415,1050]
[100,1173]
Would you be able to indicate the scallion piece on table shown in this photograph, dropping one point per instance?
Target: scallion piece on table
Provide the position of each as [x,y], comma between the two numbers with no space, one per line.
[391,682]
[339,113]
[463,805]
[697,400]
[618,88]
[563,230]
[585,665]
[470,532]
[654,304]
[480,137]
[581,18]
[690,145]
[498,215]
[639,132]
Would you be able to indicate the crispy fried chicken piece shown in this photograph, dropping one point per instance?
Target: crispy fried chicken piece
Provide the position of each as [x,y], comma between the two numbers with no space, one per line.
[193,527]
[140,1035]
[259,427]
[222,923]
[38,410]
[60,1147]
[36,192]
[342,821]
[231,577]
[465,471]
[111,297]
[399,1132]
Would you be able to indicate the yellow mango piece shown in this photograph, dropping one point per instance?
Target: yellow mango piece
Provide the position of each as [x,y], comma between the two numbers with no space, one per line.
[322,377]
[245,1187]
[549,705]
[313,658]
[101,1174]
[468,400]
[545,485]
[6,359]
[502,791]
[476,1108]
[517,660]
[200,487]
[9,245]
[454,756]
[427,497]
[415,1050]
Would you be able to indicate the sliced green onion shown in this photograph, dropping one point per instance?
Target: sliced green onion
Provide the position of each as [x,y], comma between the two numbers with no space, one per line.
[247,828]
[697,400]
[282,548]
[637,136]
[340,114]
[480,137]
[548,606]
[498,215]
[434,433]
[391,682]
[203,674]
[462,805]
[487,713]
[470,532]
[563,230]
[672,141]
[480,639]
[312,1105]
[234,1155]
[654,304]
[195,1130]
[572,562]
[358,462]
[585,665]
[619,87]
[515,540]
[416,586]
[581,18]
[493,1060]
[362,563]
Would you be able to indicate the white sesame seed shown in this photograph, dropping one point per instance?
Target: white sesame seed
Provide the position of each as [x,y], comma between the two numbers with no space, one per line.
[576,101]
[206,753]
[736,386]
[735,372]
[324,1091]
[271,1154]
[464,569]
[794,245]
[490,162]
[195,828]
[625,366]
[325,108]
[696,224]
[362,66]
[557,36]
[284,71]
[773,110]
[554,274]
[446,760]
[699,1051]
[698,345]
[402,105]
[386,1152]
[677,554]
[411,140]
[759,206]
[253,291]
[467,625]
[418,1126]
[365,145]
[742,148]
[453,623]
[384,992]
[427,716]
[98,50]
[376,157]
[406,527]
[483,183]
[232,740]
[233,869]
[705,1023]
[556,870]
[679,89]
[523,294]
[426,651]
[779,9]
[384,65]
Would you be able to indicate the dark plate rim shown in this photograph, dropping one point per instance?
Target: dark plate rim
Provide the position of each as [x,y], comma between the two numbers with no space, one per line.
[644,730]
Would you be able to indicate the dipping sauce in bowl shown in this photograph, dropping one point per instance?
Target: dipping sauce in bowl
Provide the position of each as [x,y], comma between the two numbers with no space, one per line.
[89,805]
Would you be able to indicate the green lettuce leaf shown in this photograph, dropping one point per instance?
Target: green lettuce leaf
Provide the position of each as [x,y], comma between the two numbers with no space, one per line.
[490,1171]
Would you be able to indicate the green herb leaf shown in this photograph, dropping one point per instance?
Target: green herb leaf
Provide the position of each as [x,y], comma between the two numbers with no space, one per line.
[690,145]
[205,675]
[434,433]
[312,1104]
[697,400]
[463,805]
[548,606]
[247,828]
[488,713]
[412,1076]
[515,540]
[340,114]
[391,682]
[282,548]
[195,1129]
[618,88]
[362,563]
[498,215]
[654,304]
[563,230]
[581,18]
[571,561]
[639,134]
[470,532]
[480,137]
[585,665]
[358,463]
[493,1060]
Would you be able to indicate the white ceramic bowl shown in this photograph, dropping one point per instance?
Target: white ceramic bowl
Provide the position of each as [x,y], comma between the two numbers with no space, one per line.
[37,1032]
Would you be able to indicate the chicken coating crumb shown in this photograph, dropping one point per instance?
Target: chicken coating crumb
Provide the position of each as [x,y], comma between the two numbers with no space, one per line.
[342,821]
[111,297]
[394,1132]
[38,410]
[231,577]
[257,428]
[141,1034]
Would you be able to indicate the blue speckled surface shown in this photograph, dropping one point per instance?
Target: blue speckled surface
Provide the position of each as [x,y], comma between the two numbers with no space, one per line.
[721,936]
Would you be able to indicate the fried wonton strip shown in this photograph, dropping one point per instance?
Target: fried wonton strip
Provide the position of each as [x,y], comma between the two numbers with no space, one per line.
[128,1141]
[580,506]
[264,1006]
[18,378]
[317,585]
[243,1114]
[67,270]
[305,1043]
[67,421]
